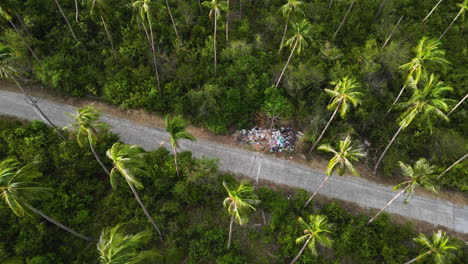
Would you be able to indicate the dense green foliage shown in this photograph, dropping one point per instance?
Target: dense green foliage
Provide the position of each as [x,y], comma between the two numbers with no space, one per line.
[188,207]
[249,63]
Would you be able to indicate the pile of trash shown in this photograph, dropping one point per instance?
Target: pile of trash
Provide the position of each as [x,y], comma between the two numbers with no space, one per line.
[272,140]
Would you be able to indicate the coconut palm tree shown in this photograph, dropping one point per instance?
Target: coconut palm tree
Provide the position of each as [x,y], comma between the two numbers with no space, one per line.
[391,33]
[439,248]
[98,9]
[453,165]
[128,161]
[425,104]
[345,93]
[289,9]
[17,188]
[115,247]
[421,175]
[66,20]
[458,104]
[344,19]
[342,160]
[177,129]
[427,53]
[142,10]
[432,10]
[463,7]
[315,232]
[215,7]
[239,203]
[172,19]
[87,126]
[298,42]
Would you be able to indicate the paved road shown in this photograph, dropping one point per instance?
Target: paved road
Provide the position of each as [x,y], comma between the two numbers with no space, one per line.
[356,190]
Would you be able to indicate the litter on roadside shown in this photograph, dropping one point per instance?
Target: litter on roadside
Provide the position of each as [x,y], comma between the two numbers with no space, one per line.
[272,140]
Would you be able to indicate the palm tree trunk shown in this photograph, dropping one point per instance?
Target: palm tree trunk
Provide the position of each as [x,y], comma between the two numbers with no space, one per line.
[430,13]
[391,34]
[301,251]
[66,20]
[109,37]
[381,6]
[287,63]
[199,6]
[214,43]
[326,127]
[24,41]
[344,19]
[451,166]
[316,191]
[137,197]
[175,160]
[230,232]
[458,104]
[76,11]
[55,222]
[227,22]
[419,257]
[330,4]
[284,33]
[388,146]
[153,52]
[97,157]
[398,97]
[451,24]
[388,204]
[172,19]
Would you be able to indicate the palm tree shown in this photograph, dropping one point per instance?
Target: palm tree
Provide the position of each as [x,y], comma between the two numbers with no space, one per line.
[128,160]
[453,165]
[291,7]
[420,175]
[463,7]
[346,92]
[432,10]
[215,7]
[425,104]
[427,53]
[176,127]
[17,187]
[239,203]
[458,104]
[98,8]
[117,248]
[342,159]
[66,20]
[298,42]
[393,31]
[172,19]
[344,19]
[439,247]
[227,20]
[142,10]
[88,126]
[315,232]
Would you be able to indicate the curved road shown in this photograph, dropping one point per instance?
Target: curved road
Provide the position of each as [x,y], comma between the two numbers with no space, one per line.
[351,189]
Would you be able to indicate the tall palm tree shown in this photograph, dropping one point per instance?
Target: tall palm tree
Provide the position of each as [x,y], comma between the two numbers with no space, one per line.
[215,7]
[458,104]
[453,165]
[288,9]
[342,159]
[239,203]
[66,20]
[128,161]
[142,10]
[17,188]
[177,129]
[88,126]
[98,9]
[425,104]
[421,175]
[315,232]
[463,7]
[298,42]
[115,247]
[172,19]
[427,53]
[432,10]
[439,248]
[344,19]
[345,93]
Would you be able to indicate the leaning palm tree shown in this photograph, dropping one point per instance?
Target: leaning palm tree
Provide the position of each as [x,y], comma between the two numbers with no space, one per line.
[66,20]
[425,104]
[427,52]
[463,7]
[315,232]
[344,19]
[298,42]
[458,104]
[172,19]
[439,248]
[421,175]
[432,10]
[289,9]
[17,188]
[115,247]
[98,9]
[215,7]
[239,203]
[453,165]
[177,129]
[346,92]
[342,160]
[128,161]
[87,126]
